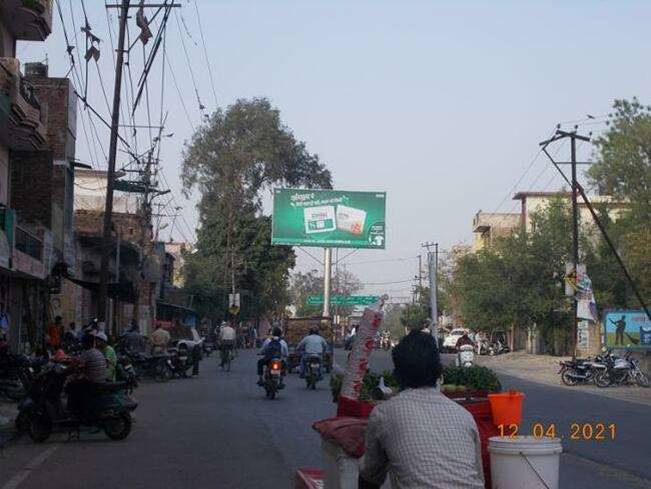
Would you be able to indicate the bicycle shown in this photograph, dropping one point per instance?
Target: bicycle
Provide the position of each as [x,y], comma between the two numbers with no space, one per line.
[226,358]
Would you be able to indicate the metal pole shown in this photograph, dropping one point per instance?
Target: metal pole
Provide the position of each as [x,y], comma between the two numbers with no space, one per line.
[431,261]
[117,279]
[575,243]
[108,208]
[327,270]
[420,272]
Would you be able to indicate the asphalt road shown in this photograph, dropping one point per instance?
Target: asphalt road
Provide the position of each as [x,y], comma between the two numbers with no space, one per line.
[218,431]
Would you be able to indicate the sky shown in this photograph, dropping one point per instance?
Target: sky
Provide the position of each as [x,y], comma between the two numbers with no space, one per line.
[441,104]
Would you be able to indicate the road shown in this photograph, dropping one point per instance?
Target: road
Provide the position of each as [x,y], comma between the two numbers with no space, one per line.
[219,431]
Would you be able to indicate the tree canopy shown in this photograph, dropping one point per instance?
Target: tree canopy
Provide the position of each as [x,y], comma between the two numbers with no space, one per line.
[232,159]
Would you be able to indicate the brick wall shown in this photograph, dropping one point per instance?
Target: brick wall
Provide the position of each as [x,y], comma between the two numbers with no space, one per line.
[31,187]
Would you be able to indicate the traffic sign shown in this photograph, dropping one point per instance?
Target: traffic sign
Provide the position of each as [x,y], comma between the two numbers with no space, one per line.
[344,300]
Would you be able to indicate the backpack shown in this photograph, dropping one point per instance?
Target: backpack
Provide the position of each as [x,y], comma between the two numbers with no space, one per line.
[274,348]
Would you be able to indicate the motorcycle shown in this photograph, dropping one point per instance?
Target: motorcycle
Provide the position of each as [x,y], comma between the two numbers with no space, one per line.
[151,366]
[207,346]
[498,348]
[272,378]
[621,371]
[108,408]
[16,374]
[583,371]
[466,356]
[179,361]
[313,371]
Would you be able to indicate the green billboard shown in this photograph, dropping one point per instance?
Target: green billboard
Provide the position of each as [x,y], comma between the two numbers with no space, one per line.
[329,218]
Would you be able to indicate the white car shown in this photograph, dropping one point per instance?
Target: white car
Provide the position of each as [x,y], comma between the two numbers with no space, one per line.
[450,341]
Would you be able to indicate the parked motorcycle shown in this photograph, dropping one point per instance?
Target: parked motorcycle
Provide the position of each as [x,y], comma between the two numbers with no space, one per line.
[108,408]
[621,371]
[179,361]
[313,371]
[272,378]
[155,367]
[584,371]
[16,374]
[498,348]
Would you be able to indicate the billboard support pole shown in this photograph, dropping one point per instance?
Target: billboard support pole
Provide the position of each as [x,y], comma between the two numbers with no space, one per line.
[327,272]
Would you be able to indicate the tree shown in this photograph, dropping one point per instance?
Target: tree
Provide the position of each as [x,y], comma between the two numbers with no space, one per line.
[231,160]
[623,167]
[623,170]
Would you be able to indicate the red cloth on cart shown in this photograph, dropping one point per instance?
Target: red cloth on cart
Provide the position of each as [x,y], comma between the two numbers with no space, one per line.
[309,479]
[346,432]
[354,408]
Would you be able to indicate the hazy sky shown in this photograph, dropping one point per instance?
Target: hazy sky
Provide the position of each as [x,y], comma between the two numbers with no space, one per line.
[440,104]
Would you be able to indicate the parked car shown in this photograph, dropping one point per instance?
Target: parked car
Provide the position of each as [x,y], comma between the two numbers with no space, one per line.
[450,341]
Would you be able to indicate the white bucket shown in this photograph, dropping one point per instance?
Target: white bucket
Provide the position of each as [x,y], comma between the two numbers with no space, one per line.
[524,462]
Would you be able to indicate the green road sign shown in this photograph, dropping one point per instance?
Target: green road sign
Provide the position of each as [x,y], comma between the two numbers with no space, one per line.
[329,218]
[344,300]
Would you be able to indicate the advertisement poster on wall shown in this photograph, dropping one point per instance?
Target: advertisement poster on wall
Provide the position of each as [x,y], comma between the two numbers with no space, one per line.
[628,328]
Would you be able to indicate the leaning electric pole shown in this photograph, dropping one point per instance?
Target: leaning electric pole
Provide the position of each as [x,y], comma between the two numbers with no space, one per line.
[102,302]
[573,136]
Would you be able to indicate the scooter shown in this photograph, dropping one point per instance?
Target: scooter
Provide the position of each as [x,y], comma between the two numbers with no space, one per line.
[313,371]
[466,356]
[43,411]
[272,378]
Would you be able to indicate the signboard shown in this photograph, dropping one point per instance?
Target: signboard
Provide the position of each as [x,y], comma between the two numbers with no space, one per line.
[234,304]
[344,300]
[630,328]
[329,218]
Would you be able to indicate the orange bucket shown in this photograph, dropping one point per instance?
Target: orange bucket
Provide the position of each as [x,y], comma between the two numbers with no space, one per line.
[506,407]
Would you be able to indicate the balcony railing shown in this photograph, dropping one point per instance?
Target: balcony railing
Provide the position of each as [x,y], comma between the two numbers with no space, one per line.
[28,244]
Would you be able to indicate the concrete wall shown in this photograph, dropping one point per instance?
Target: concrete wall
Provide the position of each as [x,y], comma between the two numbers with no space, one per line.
[4,175]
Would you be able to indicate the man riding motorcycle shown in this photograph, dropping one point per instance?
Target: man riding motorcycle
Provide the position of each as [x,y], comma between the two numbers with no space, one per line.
[312,345]
[273,347]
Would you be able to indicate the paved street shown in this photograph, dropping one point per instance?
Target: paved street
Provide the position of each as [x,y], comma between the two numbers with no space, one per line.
[201,433]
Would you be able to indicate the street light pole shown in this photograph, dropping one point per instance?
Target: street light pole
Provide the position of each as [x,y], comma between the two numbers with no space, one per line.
[327,275]
[432,263]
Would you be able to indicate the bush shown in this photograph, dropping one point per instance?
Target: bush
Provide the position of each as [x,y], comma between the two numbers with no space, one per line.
[475,378]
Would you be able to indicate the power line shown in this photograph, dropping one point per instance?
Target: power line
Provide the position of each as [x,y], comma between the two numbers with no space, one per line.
[205,51]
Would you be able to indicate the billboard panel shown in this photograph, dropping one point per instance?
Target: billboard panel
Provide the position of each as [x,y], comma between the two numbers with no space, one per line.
[627,329]
[329,218]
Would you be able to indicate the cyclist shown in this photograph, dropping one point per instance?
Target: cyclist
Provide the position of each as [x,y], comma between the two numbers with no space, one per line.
[227,339]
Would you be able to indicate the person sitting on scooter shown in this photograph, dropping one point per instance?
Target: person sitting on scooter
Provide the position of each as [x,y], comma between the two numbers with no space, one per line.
[273,347]
[312,345]
[101,342]
[464,340]
[92,370]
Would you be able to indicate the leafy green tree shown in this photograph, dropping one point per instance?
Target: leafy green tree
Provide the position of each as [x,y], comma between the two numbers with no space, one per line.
[232,159]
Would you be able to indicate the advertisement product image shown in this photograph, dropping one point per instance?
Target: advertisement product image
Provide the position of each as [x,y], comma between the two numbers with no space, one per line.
[329,218]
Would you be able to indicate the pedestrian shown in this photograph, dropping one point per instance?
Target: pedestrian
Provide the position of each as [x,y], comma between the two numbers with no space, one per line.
[420,438]
[160,339]
[55,333]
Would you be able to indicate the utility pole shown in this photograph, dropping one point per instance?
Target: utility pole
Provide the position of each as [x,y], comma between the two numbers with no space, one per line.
[327,275]
[102,302]
[432,262]
[575,216]
[420,271]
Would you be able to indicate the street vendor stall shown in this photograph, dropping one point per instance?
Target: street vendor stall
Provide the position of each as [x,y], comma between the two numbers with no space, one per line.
[507,464]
